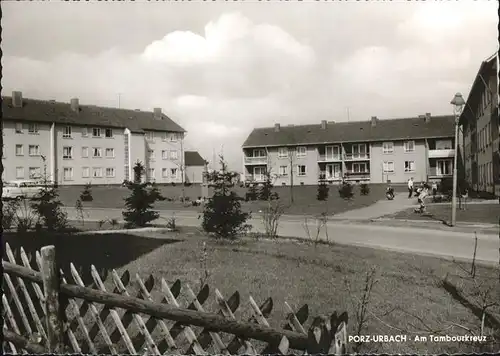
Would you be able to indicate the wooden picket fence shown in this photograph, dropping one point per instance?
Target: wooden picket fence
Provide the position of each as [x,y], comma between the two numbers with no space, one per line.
[44,312]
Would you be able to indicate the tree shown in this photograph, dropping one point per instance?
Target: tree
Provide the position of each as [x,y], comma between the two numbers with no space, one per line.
[222,215]
[139,203]
[265,192]
[86,194]
[323,190]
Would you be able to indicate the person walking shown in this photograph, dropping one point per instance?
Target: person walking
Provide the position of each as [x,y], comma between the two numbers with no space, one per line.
[410,187]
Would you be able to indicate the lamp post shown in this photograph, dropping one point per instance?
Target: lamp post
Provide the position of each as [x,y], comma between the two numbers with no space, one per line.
[458,103]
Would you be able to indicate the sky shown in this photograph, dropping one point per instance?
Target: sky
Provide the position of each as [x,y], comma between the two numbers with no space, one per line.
[220,69]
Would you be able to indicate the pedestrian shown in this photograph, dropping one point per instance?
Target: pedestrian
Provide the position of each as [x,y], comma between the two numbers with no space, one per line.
[421,198]
[434,189]
[410,187]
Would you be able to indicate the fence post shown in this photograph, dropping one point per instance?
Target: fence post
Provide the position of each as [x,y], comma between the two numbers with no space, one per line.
[50,277]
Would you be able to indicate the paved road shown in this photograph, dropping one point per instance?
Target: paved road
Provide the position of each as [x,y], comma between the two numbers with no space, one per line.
[448,244]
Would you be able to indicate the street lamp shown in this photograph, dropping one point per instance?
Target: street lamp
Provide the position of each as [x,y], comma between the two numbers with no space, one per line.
[458,103]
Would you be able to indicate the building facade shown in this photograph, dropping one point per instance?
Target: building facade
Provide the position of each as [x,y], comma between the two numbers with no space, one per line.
[73,144]
[481,131]
[373,151]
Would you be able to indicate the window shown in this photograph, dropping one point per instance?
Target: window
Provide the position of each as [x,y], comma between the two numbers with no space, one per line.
[151,173]
[388,147]
[173,137]
[409,166]
[67,173]
[67,152]
[444,167]
[85,172]
[34,150]
[110,152]
[110,172]
[173,172]
[164,154]
[282,152]
[173,155]
[97,172]
[359,168]
[97,152]
[165,136]
[164,172]
[108,133]
[34,172]
[85,132]
[332,152]
[151,155]
[33,128]
[85,152]
[259,153]
[301,152]
[67,132]
[283,170]
[359,150]
[96,132]
[19,172]
[409,146]
[19,150]
[301,170]
[150,135]
[443,145]
[19,127]
[388,167]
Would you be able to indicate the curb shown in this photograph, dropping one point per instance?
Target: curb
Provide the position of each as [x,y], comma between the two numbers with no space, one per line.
[124,231]
[471,225]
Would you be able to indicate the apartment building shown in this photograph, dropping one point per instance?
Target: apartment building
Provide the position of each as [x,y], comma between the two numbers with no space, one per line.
[77,144]
[195,167]
[481,130]
[374,151]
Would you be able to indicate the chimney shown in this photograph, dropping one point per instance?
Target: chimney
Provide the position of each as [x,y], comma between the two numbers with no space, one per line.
[17,99]
[374,121]
[75,105]
[427,117]
[276,127]
[157,113]
[323,124]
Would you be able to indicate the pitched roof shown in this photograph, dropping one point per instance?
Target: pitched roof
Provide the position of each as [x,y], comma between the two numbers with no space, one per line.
[61,113]
[193,158]
[487,69]
[354,131]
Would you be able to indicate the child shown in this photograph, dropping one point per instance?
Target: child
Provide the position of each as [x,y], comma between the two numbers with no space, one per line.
[421,198]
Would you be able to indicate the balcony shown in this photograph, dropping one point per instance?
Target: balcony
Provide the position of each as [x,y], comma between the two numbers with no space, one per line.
[447,153]
[255,178]
[361,176]
[256,160]
[329,158]
[356,156]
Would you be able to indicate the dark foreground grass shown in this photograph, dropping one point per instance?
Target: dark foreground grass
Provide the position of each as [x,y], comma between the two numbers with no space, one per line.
[473,213]
[408,297]
[304,201]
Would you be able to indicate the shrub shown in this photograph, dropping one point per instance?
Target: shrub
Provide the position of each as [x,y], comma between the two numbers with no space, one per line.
[265,192]
[364,189]
[346,191]
[187,184]
[323,190]
[222,214]
[9,214]
[139,203]
[86,194]
[251,194]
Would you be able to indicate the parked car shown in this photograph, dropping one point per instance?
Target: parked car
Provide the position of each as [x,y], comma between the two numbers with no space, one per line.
[28,189]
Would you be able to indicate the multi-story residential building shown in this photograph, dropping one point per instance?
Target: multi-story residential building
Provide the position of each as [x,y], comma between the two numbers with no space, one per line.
[481,131]
[375,151]
[77,144]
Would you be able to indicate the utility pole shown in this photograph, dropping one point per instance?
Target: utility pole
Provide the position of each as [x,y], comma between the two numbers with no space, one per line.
[182,170]
[119,100]
[348,114]
[290,155]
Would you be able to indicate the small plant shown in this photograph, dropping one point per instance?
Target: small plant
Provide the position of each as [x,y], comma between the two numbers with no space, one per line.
[101,223]
[24,224]
[139,204]
[265,192]
[321,224]
[204,266]
[271,216]
[9,214]
[323,191]
[251,194]
[364,189]
[79,211]
[172,224]
[86,194]
[346,191]
[222,214]
[114,223]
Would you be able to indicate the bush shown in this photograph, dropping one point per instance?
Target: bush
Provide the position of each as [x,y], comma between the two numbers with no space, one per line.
[251,195]
[86,194]
[48,208]
[222,214]
[346,191]
[139,204]
[323,191]
[9,214]
[364,189]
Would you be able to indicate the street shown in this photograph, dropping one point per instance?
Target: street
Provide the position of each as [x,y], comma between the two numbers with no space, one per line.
[448,244]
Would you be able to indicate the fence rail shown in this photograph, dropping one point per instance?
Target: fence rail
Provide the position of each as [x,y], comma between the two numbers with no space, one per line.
[46,313]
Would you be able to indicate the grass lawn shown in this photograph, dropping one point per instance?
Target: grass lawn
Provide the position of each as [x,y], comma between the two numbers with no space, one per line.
[304,198]
[408,288]
[407,294]
[474,213]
